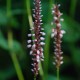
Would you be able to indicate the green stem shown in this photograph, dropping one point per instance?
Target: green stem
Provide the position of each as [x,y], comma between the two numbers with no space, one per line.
[29,13]
[17,66]
[58,73]
[34,78]
[41,71]
[49,17]
[13,57]
[46,54]
[10,44]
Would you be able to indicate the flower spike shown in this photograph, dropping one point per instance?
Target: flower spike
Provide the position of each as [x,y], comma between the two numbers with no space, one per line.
[38,35]
[57,33]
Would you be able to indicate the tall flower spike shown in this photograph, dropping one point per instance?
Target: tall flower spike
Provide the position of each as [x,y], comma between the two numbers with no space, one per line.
[57,33]
[37,43]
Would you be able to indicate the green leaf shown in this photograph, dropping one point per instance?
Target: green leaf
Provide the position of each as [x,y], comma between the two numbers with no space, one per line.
[4,44]
[7,73]
[76,56]
[51,77]
[6,21]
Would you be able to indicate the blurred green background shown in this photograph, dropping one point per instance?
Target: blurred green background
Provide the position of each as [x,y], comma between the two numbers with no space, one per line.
[15,22]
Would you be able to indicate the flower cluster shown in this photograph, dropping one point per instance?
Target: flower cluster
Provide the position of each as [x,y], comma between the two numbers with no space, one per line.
[57,33]
[37,34]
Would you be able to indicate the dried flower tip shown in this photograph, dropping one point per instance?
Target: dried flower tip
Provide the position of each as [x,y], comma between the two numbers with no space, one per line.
[42,59]
[34,15]
[34,59]
[41,49]
[55,18]
[43,33]
[36,20]
[33,34]
[63,32]
[42,55]
[54,43]
[38,57]
[40,8]
[41,15]
[39,2]
[61,19]
[35,40]
[59,25]
[38,52]
[38,60]
[61,52]
[53,30]
[29,46]
[33,64]
[53,11]
[38,69]
[39,26]
[42,38]
[33,3]
[31,52]
[61,58]
[56,50]
[52,35]
[42,28]
[33,46]
[59,5]
[41,23]
[57,55]
[54,63]
[33,9]
[29,35]
[29,41]
[32,70]
[35,69]
[61,14]
[42,43]
[61,35]
[40,20]
[61,62]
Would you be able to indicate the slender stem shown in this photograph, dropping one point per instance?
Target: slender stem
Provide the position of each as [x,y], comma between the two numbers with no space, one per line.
[17,66]
[58,77]
[41,71]
[10,44]
[34,78]
[29,13]
[13,56]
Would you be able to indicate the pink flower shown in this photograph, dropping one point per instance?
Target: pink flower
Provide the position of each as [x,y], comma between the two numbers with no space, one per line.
[57,33]
[38,35]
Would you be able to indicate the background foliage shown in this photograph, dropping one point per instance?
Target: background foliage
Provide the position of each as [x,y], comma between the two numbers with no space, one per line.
[15,61]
